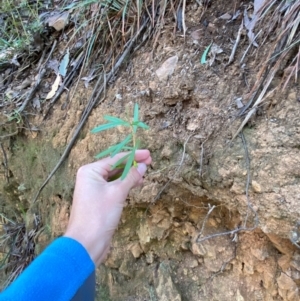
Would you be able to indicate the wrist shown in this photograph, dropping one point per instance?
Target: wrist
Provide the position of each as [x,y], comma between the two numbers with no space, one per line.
[96,247]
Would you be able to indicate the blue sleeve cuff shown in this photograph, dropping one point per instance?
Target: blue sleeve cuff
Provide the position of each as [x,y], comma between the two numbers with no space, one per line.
[56,274]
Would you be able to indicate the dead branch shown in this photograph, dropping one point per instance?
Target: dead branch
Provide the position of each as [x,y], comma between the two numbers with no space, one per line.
[259,99]
[248,48]
[231,58]
[33,91]
[205,219]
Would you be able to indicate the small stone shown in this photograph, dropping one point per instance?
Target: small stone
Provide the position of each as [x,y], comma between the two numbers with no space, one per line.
[292,96]
[165,287]
[135,249]
[259,254]
[150,257]
[286,283]
[192,125]
[284,262]
[198,249]
[192,263]
[226,16]
[167,68]
[293,295]
[256,187]
[295,263]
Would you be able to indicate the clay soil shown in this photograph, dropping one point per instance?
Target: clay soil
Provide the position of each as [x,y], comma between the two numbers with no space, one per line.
[197,184]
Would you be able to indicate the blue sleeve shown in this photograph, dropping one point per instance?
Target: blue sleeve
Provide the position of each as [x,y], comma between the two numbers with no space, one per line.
[56,274]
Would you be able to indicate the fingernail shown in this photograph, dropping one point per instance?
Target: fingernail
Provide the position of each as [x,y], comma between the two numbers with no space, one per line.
[141,168]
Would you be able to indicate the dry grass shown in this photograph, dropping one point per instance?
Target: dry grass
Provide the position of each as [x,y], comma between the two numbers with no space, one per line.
[282,26]
[17,248]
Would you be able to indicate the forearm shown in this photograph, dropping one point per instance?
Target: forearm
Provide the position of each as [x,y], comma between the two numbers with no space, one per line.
[56,274]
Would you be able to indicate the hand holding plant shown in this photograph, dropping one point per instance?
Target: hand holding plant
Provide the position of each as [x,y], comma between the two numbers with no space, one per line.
[130,143]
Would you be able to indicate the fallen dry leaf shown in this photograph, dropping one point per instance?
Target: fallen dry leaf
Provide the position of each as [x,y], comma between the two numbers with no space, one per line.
[214,50]
[58,21]
[54,87]
[226,16]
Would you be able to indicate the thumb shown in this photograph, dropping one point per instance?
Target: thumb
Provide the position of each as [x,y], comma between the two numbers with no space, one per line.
[135,176]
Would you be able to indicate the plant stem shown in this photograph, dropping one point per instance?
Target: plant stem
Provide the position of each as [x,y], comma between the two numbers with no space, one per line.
[134,143]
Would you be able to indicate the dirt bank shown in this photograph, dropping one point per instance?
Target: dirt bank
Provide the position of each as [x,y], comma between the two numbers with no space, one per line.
[202,183]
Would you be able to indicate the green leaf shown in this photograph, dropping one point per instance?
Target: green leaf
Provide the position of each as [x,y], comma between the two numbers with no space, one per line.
[119,121]
[204,55]
[64,64]
[121,145]
[103,127]
[116,165]
[107,151]
[143,125]
[135,117]
[128,165]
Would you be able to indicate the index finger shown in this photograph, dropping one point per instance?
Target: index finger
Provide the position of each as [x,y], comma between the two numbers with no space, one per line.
[141,156]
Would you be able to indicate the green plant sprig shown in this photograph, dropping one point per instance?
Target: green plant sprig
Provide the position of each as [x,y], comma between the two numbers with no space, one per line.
[130,143]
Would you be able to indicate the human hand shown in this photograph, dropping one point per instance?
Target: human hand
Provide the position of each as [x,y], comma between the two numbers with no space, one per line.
[98,204]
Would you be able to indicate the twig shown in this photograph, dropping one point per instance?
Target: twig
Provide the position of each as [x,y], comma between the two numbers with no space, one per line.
[225,233]
[247,158]
[183,18]
[93,101]
[259,99]
[205,220]
[236,44]
[32,92]
[224,264]
[41,74]
[245,53]
[177,170]
[5,163]
[9,135]
[191,205]
[201,159]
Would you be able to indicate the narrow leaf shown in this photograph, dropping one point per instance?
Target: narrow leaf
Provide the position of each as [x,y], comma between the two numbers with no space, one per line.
[116,165]
[204,55]
[106,152]
[136,112]
[121,145]
[143,125]
[103,127]
[128,165]
[116,120]
[64,64]
[135,117]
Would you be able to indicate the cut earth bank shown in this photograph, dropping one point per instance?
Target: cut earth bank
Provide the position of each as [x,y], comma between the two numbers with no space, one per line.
[196,186]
